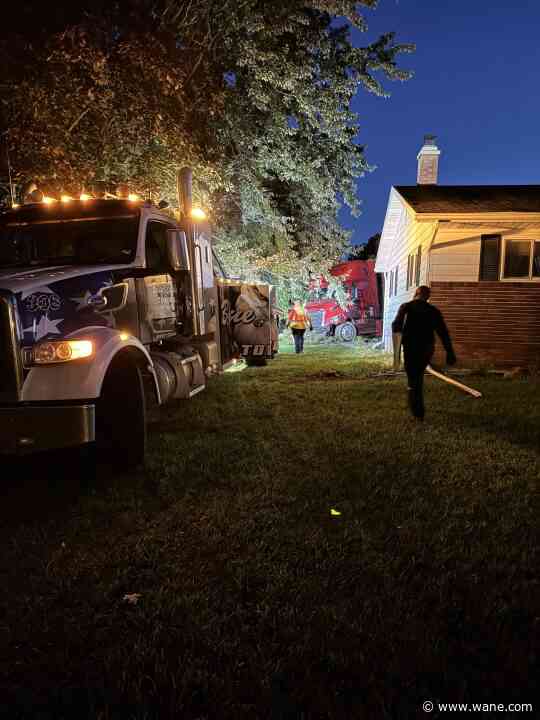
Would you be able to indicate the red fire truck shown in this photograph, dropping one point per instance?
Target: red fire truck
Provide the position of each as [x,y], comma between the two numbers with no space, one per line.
[361,314]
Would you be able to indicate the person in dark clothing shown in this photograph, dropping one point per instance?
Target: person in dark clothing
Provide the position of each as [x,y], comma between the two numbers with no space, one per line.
[418,321]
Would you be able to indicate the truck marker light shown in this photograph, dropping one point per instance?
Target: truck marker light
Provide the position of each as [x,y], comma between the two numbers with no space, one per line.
[48,200]
[124,336]
[66,198]
[334,512]
[198,214]
[132,197]
[84,196]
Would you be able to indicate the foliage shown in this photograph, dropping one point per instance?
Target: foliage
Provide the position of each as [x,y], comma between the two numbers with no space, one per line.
[367,251]
[253,94]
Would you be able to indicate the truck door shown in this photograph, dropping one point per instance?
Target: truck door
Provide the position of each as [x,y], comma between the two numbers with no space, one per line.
[156,292]
[205,280]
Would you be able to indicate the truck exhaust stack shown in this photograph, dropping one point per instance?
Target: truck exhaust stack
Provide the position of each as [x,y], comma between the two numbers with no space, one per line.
[184,185]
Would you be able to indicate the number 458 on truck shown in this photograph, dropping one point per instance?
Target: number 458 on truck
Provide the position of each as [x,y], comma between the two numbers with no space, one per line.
[105,301]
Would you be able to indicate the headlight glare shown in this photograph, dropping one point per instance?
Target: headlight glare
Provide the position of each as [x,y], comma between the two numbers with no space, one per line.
[62,351]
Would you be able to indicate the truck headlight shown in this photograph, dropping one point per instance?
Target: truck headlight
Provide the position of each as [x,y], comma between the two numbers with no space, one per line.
[61,351]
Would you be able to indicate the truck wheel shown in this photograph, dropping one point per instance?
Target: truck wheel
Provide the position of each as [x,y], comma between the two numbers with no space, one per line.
[121,417]
[346,332]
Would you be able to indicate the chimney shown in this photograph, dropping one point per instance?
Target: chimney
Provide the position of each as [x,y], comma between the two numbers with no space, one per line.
[428,161]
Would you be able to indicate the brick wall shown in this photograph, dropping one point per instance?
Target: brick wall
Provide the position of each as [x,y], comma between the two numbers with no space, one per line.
[495,323]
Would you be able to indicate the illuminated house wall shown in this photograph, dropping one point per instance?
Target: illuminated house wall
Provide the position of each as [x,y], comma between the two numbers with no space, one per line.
[457,239]
[493,320]
[403,237]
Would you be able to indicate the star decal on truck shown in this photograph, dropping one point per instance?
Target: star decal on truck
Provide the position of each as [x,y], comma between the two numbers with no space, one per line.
[44,327]
[82,300]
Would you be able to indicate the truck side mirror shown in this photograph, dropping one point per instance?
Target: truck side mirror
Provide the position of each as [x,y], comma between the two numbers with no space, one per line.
[177,250]
[115,297]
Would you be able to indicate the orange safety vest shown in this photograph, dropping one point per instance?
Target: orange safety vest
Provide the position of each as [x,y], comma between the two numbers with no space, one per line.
[299,320]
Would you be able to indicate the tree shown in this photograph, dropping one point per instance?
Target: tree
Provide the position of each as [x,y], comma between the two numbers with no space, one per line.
[367,251]
[253,94]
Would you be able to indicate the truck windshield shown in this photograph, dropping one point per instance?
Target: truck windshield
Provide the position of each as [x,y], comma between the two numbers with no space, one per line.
[82,241]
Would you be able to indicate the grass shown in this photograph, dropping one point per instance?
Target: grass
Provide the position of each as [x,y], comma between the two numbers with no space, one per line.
[254,601]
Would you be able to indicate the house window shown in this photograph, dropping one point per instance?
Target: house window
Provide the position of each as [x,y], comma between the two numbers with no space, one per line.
[536,260]
[396,280]
[410,261]
[418,265]
[521,259]
[490,253]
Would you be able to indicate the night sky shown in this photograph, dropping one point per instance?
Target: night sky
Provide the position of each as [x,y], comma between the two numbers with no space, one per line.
[475,87]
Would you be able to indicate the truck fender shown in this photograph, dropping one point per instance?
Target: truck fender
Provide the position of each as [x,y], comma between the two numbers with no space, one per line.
[83,379]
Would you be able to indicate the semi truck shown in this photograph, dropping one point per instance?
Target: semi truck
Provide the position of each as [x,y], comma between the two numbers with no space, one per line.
[361,313]
[107,304]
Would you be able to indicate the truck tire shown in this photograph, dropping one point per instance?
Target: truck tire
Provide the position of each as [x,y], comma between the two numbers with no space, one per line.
[346,332]
[121,416]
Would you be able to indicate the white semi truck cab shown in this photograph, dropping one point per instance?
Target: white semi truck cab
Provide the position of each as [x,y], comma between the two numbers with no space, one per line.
[103,301]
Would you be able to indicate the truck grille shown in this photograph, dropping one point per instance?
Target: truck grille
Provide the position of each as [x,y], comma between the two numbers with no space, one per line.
[10,360]
[317,319]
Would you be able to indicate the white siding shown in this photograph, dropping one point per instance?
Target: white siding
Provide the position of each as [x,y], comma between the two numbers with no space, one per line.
[455,261]
[392,218]
[409,236]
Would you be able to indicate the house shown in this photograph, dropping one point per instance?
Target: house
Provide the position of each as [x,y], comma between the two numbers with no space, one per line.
[478,248]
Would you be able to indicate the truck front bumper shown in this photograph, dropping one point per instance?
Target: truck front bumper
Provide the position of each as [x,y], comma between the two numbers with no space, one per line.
[32,428]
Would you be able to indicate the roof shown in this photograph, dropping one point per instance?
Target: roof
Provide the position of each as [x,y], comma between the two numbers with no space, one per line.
[471,198]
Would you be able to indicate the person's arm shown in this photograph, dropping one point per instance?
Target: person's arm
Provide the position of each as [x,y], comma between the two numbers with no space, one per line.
[442,332]
[399,321]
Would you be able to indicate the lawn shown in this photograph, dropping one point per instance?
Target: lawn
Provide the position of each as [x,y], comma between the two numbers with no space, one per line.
[222,584]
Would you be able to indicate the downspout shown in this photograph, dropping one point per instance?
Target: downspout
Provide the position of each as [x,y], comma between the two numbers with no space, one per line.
[430,246]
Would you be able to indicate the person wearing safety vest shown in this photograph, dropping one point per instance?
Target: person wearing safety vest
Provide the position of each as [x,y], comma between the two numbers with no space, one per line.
[298,321]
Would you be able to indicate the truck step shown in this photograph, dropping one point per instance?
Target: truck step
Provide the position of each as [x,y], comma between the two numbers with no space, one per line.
[189,359]
[196,390]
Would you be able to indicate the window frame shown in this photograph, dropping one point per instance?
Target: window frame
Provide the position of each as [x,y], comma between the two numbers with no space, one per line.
[418,266]
[490,236]
[530,278]
[168,226]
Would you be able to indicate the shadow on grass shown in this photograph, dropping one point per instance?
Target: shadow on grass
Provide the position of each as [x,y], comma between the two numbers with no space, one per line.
[522,431]
[45,486]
